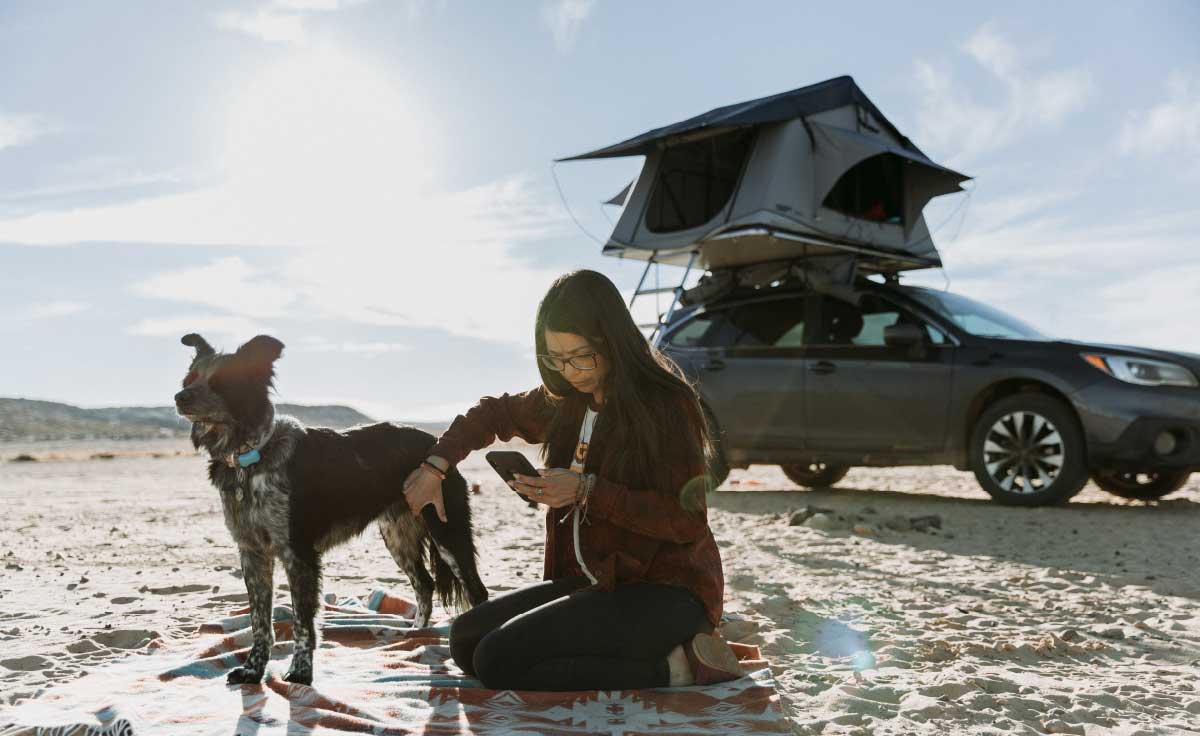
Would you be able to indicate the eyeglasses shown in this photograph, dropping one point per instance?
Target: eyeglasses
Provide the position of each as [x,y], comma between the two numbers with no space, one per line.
[584,362]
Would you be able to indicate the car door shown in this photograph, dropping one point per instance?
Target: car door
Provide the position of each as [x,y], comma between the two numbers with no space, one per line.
[863,395]
[752,372]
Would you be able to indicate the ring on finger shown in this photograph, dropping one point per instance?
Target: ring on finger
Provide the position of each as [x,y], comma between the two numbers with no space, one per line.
[539,491]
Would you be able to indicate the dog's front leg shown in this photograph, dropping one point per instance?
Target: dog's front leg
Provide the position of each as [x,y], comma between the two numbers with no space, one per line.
[304,578]
[258,569]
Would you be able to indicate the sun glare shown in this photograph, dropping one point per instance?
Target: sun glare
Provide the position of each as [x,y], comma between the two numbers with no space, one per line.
[331,136]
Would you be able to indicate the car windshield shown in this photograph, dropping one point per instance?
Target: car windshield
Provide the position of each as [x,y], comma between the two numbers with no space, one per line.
[975,317]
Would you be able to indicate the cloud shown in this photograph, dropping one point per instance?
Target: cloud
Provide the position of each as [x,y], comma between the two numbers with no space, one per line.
[951,120]
[564,18]
[312,344]
[266,24]
[18,130]
[1136,281]
[332,159]
[1172,126]
[42,311]
[317,5]
[227,283]
[214,327]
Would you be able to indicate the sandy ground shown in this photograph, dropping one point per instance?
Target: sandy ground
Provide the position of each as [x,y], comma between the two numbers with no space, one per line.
[1082,619]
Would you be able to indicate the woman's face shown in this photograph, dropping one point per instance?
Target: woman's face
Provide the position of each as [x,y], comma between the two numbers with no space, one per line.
[566,345]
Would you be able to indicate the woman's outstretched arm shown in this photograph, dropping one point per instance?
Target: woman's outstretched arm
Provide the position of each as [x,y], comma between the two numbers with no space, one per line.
[523,415]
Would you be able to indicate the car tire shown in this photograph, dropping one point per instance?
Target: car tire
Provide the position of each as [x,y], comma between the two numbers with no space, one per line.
[1025,434]
[718,466]
[1148,485]
[815,475]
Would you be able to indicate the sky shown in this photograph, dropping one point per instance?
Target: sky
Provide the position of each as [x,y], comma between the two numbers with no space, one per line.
[372,182]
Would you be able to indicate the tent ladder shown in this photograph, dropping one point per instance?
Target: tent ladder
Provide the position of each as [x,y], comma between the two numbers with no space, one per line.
[676,292]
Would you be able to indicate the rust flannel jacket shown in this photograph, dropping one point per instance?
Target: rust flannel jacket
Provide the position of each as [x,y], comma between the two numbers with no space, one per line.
[631,535]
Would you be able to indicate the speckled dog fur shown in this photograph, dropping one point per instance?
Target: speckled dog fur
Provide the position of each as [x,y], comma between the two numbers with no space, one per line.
[313,489]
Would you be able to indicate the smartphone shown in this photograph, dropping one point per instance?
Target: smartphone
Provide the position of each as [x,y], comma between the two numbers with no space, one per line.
[510,462]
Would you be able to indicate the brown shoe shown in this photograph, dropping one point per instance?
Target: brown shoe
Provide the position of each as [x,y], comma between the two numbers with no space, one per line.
[712,660]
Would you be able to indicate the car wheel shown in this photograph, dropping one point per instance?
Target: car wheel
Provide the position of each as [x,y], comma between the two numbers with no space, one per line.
[1028,450]
[718,466]
[815,475]
[1144,486]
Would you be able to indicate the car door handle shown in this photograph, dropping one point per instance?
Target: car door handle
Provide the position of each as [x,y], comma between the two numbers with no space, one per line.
[822,366]
[714,364]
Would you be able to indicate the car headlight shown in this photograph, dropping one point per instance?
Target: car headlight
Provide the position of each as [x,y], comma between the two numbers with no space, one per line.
[1142,371]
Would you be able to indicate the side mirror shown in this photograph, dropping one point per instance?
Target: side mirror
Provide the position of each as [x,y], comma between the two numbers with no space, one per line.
[902,335]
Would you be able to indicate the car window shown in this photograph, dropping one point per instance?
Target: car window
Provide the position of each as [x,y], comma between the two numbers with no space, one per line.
[776,323]
[863,324]
[698,331]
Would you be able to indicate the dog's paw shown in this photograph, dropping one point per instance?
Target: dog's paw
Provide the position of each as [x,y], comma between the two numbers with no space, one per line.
[299,675]
[243,676]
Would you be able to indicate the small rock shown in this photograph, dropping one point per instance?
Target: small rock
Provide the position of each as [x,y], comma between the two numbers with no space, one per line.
[867,530]
[1116,632]
[1069,635]
[823,521]
[867,510]
[31,663]
[13,566]
[898,523]
[476,488]
[926,523]
[83,646]
[802,515]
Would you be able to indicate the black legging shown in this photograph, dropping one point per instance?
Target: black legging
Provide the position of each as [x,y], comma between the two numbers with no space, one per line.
[554,636]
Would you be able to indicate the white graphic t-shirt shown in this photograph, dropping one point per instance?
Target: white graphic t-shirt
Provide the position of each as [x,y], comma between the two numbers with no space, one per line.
[581,450]
[585,438]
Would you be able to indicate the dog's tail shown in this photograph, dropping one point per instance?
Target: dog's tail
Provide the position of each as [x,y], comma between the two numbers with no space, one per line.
[450,589]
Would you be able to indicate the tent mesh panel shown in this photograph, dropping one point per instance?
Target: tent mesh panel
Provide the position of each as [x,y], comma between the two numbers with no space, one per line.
[872,190]
[695,181]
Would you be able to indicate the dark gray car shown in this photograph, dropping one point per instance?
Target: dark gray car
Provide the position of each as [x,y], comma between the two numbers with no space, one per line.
[884,374]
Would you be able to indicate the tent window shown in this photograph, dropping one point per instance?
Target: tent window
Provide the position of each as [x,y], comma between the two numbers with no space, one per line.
[695,180]
[872,190]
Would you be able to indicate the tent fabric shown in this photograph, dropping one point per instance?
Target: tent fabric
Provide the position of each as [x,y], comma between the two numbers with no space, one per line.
[797,103]
[814,171]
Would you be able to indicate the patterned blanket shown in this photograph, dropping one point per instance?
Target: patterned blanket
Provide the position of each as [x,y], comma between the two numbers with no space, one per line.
[376,674]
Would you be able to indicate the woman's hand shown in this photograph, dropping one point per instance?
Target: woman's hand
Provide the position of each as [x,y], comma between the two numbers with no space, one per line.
[557,485]
[422,488]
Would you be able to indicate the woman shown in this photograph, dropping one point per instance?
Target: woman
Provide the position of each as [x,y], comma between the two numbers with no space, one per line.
[632,577]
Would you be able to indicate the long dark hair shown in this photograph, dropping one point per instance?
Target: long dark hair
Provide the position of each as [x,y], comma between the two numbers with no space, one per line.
[651,415]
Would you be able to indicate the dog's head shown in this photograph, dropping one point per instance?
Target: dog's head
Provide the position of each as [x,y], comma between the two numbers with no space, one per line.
[222,389]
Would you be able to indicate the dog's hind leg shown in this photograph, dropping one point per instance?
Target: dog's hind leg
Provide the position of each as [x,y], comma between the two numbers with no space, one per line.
[258,567]
[455,543]
[304,578]
[456,549]
[403,534]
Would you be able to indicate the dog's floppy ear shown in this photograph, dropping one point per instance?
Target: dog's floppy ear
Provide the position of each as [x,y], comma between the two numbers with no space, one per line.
[263,348]
[195,341]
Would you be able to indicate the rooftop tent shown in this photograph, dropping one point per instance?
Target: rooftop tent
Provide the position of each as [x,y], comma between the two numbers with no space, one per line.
[815,171]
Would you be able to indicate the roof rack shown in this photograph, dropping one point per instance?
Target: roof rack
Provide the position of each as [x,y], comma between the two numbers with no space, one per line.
[663,317]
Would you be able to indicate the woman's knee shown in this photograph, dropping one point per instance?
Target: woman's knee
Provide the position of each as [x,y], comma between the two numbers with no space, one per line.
[492,664]
[465,633]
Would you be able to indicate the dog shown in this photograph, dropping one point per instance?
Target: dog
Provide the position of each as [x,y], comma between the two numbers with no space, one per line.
[291,492]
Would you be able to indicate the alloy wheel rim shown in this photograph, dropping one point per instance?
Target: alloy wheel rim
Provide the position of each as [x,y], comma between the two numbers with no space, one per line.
[1023,452]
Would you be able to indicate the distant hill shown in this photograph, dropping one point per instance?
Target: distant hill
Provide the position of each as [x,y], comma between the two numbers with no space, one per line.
[25,420]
